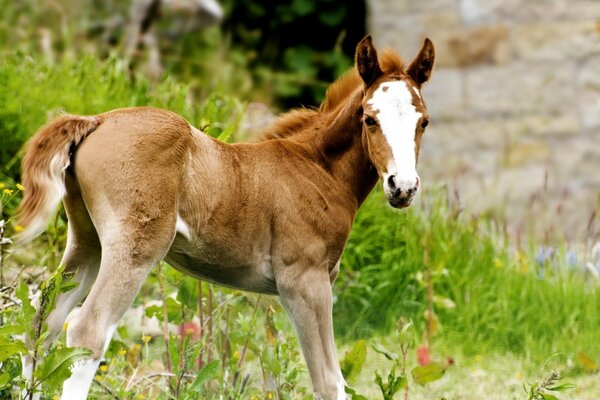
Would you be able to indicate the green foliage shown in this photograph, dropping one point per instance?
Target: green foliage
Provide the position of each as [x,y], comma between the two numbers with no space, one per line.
[392,385]
[296,67]
[353,361]
[89,86]
[487,297]
[50,373]
[541,390]
[424,374]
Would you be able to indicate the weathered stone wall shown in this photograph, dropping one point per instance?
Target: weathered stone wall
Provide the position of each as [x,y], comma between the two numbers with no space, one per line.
[514,103]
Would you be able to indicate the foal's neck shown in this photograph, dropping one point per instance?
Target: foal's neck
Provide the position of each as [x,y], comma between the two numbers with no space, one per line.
[339,148]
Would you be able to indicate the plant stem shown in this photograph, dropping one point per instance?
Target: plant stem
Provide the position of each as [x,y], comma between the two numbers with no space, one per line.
[201,318]
[165,317]
[1,256]
[209,322]
[241,360]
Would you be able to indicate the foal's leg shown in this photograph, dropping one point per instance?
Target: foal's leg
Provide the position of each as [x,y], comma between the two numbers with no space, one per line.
[81,258]
[307,299]
[128,254]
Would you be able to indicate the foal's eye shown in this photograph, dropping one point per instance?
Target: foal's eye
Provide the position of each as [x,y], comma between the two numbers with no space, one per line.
[424,123]
[370,121]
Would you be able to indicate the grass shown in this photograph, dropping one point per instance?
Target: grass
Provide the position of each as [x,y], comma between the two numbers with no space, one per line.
[501,300]
[31,92]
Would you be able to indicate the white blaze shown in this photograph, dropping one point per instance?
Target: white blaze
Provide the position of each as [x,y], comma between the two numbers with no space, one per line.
[398,119]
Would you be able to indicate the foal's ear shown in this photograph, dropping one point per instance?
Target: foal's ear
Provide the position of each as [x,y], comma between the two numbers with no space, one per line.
[366,61]
[420,69]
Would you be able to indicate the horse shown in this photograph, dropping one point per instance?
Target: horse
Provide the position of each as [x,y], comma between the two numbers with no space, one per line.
[141,184]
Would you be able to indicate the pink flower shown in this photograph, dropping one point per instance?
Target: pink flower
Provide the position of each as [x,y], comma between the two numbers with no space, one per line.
[423,355]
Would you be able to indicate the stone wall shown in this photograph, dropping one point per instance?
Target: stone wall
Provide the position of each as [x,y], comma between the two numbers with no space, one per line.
[514,103]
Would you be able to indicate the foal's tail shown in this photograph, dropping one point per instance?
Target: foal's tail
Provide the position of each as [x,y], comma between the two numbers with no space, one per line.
[47,156]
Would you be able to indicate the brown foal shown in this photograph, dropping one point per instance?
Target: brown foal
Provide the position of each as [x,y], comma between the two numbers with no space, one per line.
[140,185]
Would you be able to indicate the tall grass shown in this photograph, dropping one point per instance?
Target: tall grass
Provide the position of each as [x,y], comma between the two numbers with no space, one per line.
[31,92]
[501,299]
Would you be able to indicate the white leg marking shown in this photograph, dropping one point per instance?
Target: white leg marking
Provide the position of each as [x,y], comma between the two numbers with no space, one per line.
[341,389]
[183,228]
[82,374]
[78,385]
[398,117]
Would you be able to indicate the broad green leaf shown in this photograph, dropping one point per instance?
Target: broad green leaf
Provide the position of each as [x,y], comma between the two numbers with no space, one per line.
[13,329]
[26,308]
[353,361]
[174,314]
[4,379]
[56,367]
[206,374]
[424,374]
[10,348]
[188,293]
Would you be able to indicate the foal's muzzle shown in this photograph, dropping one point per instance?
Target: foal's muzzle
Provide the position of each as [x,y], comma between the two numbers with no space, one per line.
[400,193]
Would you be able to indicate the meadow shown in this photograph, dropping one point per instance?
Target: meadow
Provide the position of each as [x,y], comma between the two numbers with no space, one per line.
[431,303]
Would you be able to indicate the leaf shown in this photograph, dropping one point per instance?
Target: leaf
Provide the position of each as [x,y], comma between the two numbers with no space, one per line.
[187,293]
[392,386]
[385,352]
[206,374]
[26,308]
[9,348]
[424,374]
[353,361]
[56,367]
[4,379]
[226,134]
[355,396]
[562,387]
[587,362]
[547,396]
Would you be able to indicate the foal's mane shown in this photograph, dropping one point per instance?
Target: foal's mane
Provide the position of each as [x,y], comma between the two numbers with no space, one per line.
[298,120]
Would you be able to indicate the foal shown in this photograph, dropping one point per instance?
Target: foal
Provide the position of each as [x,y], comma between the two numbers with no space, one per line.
[140,185]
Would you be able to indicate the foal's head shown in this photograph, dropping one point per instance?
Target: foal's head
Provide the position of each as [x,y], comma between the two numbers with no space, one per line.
[394,118]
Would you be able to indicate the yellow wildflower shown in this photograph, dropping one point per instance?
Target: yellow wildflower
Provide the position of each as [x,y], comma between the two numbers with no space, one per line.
[236,355]
[66,324]
[98,377]
[269,395]
[2,185]
[122,352]
[7,192]
[20,187]
[103,368]
[137,346]
[140,396]
[519,375]
[146,338]
[55,396]
[19,228]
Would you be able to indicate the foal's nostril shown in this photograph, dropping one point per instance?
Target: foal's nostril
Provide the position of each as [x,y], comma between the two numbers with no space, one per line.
[392,182]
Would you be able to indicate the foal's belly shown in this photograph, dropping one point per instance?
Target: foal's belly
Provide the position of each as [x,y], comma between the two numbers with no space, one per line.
[252,274]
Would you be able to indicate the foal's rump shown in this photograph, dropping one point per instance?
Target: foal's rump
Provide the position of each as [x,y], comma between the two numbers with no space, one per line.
[127,162]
